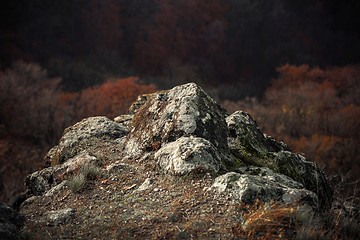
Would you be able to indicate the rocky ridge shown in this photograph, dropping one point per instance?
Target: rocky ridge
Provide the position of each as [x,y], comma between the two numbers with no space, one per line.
[177,160]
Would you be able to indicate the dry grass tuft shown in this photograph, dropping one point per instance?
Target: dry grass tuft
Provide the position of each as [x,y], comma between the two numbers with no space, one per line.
[270,221]
[87,172]
[279,221]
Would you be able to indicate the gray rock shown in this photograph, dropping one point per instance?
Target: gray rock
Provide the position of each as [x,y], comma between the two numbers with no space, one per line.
[56,189]
[39,182]
[42,181]
[188,154]
[60,216]
[246,140]
[250,146]
[11,223]
[166,116]
[264,184]
[116,167]
[145,185]
[29,200]
[308,173]
[83,134]
[124,120]
[74,164]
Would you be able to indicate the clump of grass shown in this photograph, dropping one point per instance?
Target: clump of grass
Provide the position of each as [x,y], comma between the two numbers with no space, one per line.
[90,171]
[279,221]
[79,180]
[270,221]
[77,183]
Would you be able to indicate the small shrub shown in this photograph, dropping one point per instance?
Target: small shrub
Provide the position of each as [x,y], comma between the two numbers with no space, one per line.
[77,183]
[90,171]
[87,172]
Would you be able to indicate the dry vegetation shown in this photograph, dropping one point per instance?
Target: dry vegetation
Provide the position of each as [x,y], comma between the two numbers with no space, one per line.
[34,112]
[111,207]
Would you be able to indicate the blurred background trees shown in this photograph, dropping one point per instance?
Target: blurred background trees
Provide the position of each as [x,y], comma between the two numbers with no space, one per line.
[234,42]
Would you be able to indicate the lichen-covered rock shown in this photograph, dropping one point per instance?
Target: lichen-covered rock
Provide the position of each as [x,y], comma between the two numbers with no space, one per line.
[10,223]
[305,172]
[262,183]
[57,217]
[248,144]
[183,131]
[83,134]
[188,154]
[246,140]
[124,120]
[166,116]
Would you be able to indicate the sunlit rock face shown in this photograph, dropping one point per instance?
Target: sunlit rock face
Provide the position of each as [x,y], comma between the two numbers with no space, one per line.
[184,131]
[165,116]
[188,154]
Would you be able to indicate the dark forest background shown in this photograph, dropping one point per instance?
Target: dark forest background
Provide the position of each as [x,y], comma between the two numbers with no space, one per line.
[293,65]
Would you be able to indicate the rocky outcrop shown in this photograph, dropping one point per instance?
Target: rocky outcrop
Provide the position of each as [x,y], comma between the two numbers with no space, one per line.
[179,132]
[175,134]
[185,131]
[10,223]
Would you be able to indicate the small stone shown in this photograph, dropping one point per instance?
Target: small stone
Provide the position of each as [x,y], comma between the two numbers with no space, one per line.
[58,217]
[145,185]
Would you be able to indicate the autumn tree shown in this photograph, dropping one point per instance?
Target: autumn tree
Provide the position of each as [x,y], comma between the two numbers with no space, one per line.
[28,99]
[111,98]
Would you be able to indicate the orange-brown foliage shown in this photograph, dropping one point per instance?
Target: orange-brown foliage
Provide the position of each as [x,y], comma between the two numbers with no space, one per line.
[112,98]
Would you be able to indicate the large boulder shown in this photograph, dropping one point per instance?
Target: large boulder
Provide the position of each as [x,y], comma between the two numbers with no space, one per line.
[166,116]
[260,183]
[248,144]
